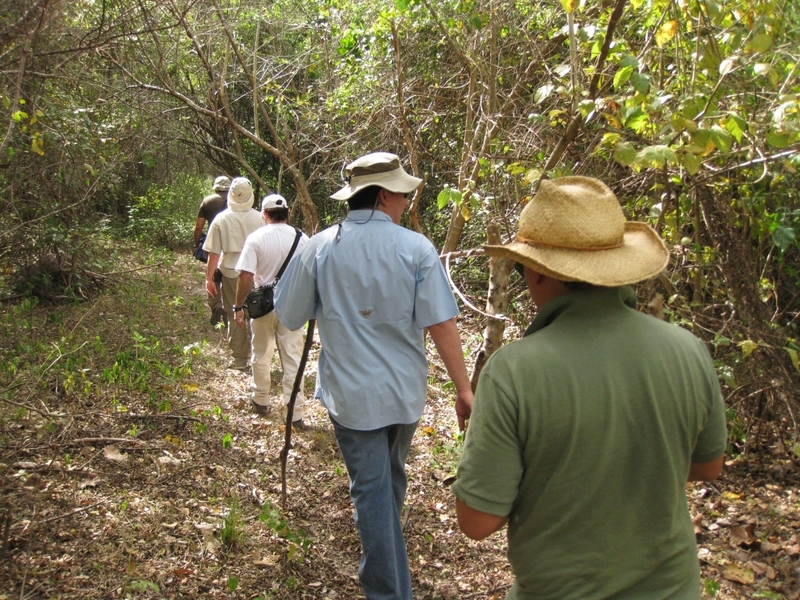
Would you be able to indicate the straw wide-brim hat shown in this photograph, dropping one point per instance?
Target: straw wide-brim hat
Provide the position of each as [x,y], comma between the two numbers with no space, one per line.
[574,230]
[379,168]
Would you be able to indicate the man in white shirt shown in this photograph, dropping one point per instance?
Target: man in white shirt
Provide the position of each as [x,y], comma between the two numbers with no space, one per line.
[263,255]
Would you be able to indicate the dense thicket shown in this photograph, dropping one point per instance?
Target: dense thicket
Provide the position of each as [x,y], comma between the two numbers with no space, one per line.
[116,115]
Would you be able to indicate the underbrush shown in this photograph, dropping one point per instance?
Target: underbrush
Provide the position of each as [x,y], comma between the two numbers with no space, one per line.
[118,351]
[166,216]
[61,259]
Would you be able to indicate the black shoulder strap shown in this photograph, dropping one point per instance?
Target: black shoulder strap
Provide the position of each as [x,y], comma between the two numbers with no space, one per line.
[289,256]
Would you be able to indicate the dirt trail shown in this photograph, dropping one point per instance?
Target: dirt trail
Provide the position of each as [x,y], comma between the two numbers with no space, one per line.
[101,502]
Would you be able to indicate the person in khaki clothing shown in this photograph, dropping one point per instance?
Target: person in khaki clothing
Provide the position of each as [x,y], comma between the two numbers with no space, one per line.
[224,244]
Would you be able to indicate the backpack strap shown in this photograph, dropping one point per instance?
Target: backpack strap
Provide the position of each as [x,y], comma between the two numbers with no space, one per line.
[289,256]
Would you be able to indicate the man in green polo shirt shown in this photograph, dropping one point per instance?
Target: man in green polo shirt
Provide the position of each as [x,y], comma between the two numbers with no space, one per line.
[585,431]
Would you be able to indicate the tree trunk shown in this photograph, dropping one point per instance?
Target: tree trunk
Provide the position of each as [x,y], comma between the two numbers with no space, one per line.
[496,302]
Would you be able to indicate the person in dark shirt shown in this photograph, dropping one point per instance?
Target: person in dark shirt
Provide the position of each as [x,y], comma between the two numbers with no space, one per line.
[210,207]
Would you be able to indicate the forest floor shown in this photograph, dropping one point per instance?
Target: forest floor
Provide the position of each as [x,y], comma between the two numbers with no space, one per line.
[114,488]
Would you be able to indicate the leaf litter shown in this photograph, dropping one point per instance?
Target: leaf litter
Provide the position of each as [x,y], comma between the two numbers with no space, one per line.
[87,512]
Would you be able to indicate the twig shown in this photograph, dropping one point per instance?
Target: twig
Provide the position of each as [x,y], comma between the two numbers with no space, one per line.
[406,517]
[463,253]
[463,298]
[6,532]
[487,594]
[163,417]
[127,270]
[170,474]
[28,558]
[158,469]
[72,512]
[99,440]
[298,382]
[25,406]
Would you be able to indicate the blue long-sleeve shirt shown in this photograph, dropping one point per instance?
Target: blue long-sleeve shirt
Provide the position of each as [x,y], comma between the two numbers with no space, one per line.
[372,292]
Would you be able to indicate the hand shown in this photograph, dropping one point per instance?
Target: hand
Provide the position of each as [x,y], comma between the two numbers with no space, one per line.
[238,316]
[211,289]
[464,401]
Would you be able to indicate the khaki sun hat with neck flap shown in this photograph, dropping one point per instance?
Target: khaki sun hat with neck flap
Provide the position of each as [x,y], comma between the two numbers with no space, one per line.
[379,168]
[574,230]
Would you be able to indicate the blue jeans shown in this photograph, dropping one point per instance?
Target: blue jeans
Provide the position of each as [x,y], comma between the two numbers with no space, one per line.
[376,464]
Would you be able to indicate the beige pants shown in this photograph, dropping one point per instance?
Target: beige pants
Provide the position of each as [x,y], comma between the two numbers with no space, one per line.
[266,331]
[238,337]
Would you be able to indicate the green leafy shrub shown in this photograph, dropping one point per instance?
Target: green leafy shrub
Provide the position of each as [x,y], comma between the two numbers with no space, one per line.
[166,216]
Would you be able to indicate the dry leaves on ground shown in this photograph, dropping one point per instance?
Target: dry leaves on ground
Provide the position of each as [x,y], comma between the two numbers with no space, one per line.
[185,503]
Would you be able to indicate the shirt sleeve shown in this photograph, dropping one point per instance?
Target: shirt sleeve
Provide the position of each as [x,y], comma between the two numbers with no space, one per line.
[434,301]
[296,292]
[713,438]
[213,242]
[247,259]
[491,466]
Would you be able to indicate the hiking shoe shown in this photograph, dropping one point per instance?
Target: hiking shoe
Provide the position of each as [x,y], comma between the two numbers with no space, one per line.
[241,368]
[299,425]
[260,409]
[218,316]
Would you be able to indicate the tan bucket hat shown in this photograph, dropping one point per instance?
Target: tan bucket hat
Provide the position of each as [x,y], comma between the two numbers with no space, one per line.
[379,168]
[222,183]
[574,230]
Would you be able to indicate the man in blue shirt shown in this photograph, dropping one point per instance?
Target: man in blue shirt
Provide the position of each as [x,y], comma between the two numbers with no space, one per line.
[374,287]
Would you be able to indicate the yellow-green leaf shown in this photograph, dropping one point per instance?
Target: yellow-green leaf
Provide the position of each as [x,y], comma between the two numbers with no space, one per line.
[666,32]
[679,123]
[739,574]
[778,139]
[691,162]
[701,137]
[747,347]
[624,154]
[760,43]
[37,144]
[656,156]
[622,76]
[794,358]
[586,107]
[721,138]
[465,211]
[736,126]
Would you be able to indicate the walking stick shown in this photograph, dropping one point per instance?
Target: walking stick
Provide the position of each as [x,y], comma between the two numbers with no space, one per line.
[298,383]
